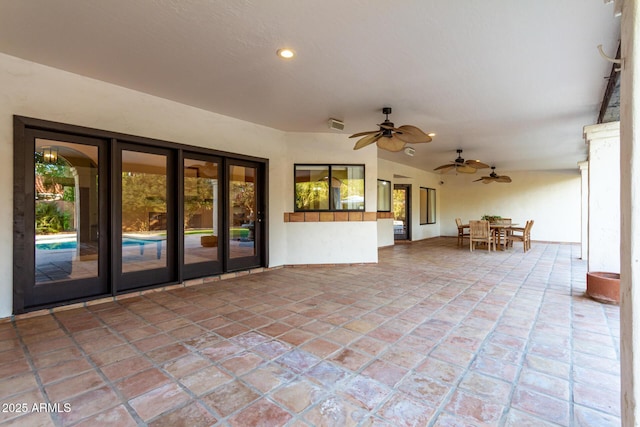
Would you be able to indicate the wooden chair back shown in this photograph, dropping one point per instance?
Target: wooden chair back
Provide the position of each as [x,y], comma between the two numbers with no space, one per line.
[479,229]
[525,237]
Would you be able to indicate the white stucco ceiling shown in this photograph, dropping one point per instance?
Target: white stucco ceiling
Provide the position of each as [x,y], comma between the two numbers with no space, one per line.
[511,83]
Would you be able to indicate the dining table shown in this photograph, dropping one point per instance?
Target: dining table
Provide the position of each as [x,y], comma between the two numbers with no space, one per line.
[496,228]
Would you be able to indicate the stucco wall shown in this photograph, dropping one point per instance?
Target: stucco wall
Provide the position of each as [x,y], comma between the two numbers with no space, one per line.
[402,174]
[551,199]
[604,197]
[385,233]
[330,242]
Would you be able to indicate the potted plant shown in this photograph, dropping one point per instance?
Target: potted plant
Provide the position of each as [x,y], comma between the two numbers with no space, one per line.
[491,218]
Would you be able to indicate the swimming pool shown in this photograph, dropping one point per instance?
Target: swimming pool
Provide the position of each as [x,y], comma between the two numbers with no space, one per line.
[72,244]
[52,246]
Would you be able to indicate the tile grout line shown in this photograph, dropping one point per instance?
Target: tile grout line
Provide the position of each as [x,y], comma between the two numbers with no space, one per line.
[53,415]
[98,370]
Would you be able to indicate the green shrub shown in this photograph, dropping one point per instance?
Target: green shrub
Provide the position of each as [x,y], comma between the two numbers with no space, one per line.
[50,220]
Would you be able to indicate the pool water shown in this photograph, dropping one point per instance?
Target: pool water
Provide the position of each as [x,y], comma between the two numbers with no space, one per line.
[52,246]
[56,245]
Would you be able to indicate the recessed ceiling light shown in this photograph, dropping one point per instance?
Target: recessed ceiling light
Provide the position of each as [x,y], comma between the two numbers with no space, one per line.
[431,134]
[286,53]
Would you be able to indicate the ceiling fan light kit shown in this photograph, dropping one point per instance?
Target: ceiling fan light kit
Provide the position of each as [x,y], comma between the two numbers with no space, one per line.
[390,138]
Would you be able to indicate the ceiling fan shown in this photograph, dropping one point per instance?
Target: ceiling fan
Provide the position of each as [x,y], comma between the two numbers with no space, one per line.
[462,165]
[389,137]
[493,177]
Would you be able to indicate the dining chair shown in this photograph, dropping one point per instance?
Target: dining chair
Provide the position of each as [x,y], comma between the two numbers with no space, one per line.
[480,231]
[521,234]
[461,233]
[529,234]
[501,233]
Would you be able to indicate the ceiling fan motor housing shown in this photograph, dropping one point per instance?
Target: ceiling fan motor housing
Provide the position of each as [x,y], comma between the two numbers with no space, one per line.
[387,131]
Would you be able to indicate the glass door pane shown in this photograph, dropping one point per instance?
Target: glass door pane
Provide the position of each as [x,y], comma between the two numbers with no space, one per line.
[201,207]
[401,212]
[242,211]
[144,211]
[67,213]
[243,215]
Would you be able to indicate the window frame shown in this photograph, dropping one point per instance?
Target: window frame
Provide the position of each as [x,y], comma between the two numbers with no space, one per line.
[389,196]
[330,167]
[429,211]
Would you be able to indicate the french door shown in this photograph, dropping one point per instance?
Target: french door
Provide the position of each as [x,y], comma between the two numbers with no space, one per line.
[98,214]
[145,242]
[222,215]
[67,207]
[244,215]
[202,215]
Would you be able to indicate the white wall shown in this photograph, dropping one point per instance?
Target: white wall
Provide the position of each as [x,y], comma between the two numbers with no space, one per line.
[551,199]
[604,197]
[402,174]
[330,242]
[385,232]
[33,90]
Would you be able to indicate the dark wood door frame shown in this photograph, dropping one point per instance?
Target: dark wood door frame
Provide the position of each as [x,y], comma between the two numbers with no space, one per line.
[26,291]
[407,210]
[258,259]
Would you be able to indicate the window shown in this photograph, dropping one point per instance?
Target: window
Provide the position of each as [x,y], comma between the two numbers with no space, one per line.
[427,205]
[384,196]
[329,187]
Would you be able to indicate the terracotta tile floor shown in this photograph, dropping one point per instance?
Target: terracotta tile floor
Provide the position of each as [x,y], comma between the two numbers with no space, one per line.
[433,335]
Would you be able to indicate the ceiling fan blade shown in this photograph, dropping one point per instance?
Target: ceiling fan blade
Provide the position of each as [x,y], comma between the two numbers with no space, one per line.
[480,179]
[465,169]
[487,181]
[445,168]
[370,139]
[412,134]
[503,178]
[355,135]
[476,164]
[391,144]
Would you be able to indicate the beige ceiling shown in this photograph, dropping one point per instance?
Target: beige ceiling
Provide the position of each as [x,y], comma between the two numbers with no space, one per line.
[511,83]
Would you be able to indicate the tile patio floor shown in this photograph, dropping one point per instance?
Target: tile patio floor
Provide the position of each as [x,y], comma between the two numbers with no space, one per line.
[433,335]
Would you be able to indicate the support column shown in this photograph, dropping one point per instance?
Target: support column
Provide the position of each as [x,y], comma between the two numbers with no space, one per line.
[584,209]
[630,212]
[603,197]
